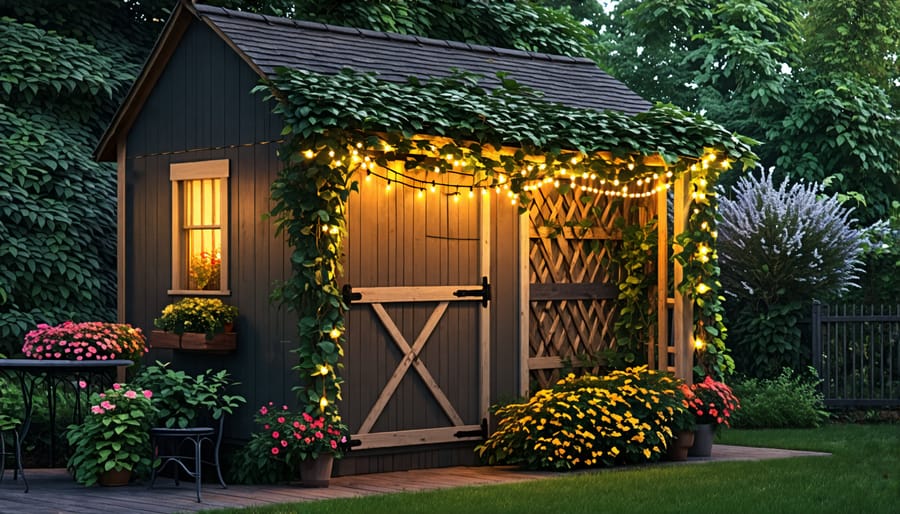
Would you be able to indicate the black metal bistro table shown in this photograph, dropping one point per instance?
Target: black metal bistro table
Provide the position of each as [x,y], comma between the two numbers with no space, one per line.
[96,375]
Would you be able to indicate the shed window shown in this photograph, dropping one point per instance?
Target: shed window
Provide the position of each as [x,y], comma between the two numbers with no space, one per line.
[199,227]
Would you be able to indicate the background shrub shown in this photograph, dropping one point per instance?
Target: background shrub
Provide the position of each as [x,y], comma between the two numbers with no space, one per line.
[779,248]
[786,401]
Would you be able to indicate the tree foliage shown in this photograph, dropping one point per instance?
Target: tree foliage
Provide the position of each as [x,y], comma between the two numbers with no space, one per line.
[63,67]
[815,81]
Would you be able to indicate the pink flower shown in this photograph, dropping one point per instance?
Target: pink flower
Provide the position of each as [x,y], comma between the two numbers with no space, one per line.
[96,409]
[130,394]
[333,444]
[117,386]
[263,410]
[281,419]
[148,393]
[274,450]
[275,434]
[107,405]
[82,384]
[319,435]
[284,443]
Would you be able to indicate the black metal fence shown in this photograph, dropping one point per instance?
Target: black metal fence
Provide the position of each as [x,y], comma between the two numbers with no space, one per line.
[856,350]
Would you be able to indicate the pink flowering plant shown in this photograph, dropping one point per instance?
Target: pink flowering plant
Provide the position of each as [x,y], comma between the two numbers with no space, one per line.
[115,434]
[93,340]
[710,401]
[294,437]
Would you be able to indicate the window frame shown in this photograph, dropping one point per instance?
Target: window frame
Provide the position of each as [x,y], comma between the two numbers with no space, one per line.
[179,173]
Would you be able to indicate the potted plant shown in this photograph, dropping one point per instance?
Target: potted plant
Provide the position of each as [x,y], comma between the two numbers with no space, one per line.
[711,403]
[299,441]
[93,340]
[182,398]
[196,324]
[113,441]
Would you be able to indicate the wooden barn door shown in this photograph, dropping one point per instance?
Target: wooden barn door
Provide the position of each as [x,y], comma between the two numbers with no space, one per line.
[570,289]
[416,369]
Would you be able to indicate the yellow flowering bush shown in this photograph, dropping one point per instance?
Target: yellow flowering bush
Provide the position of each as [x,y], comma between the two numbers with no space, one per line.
[624,417]
[204,315]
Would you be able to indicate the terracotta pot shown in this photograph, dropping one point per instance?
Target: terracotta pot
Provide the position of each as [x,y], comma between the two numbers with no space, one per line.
[679,446]
[316,472]
[115,477]
[703,440]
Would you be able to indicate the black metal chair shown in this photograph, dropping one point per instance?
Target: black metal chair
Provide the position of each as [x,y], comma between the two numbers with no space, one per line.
[170,444]
[10,426]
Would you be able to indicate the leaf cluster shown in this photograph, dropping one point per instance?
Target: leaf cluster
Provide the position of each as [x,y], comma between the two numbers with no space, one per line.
[636,318]
[183,399]
[790,400]
[62,68]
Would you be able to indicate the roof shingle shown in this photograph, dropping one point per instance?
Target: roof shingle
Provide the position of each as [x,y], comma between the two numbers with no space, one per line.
[271,42]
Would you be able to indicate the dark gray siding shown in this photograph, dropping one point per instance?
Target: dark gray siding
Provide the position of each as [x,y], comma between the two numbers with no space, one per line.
[202,101]
[201,107]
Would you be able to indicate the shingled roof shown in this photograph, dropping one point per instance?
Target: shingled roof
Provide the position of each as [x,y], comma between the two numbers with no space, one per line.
[266,43]
[271,42]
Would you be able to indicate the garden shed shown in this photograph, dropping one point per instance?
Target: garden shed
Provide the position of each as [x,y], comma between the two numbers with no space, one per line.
[476,257]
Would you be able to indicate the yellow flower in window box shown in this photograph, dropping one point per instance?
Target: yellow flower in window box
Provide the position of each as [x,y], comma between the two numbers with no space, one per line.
[196,324]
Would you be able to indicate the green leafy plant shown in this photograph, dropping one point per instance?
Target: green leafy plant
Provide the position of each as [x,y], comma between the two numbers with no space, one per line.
[624,417]
[710,401]
[115,434]
[85,341]
[204,315]
[789,400]
[635,324]
[181,398]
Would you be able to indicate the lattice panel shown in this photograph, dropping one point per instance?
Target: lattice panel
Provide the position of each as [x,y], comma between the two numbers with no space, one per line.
[567,328]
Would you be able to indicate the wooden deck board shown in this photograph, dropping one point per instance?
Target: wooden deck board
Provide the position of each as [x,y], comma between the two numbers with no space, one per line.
[53,490]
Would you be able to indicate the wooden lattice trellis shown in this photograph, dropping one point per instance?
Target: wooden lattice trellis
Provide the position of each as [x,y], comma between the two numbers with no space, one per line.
[571,285]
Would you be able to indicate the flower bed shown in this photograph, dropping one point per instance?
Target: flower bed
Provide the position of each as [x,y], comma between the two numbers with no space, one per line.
[624,417]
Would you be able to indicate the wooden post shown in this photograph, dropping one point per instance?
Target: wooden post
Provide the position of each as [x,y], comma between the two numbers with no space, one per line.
[662,282]
[484,328]
[524,302]
[683,320]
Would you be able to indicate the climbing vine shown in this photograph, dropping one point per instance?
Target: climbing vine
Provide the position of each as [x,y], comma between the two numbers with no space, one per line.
[636,316]
[420,132]
[699,259]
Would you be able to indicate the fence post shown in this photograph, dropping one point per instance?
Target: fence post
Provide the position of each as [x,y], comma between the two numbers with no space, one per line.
[816,333]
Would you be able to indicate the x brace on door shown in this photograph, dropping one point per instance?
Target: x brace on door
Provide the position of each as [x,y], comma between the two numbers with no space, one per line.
[376,297]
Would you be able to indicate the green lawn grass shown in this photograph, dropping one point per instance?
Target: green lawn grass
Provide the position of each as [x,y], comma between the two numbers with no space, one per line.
[862,476]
